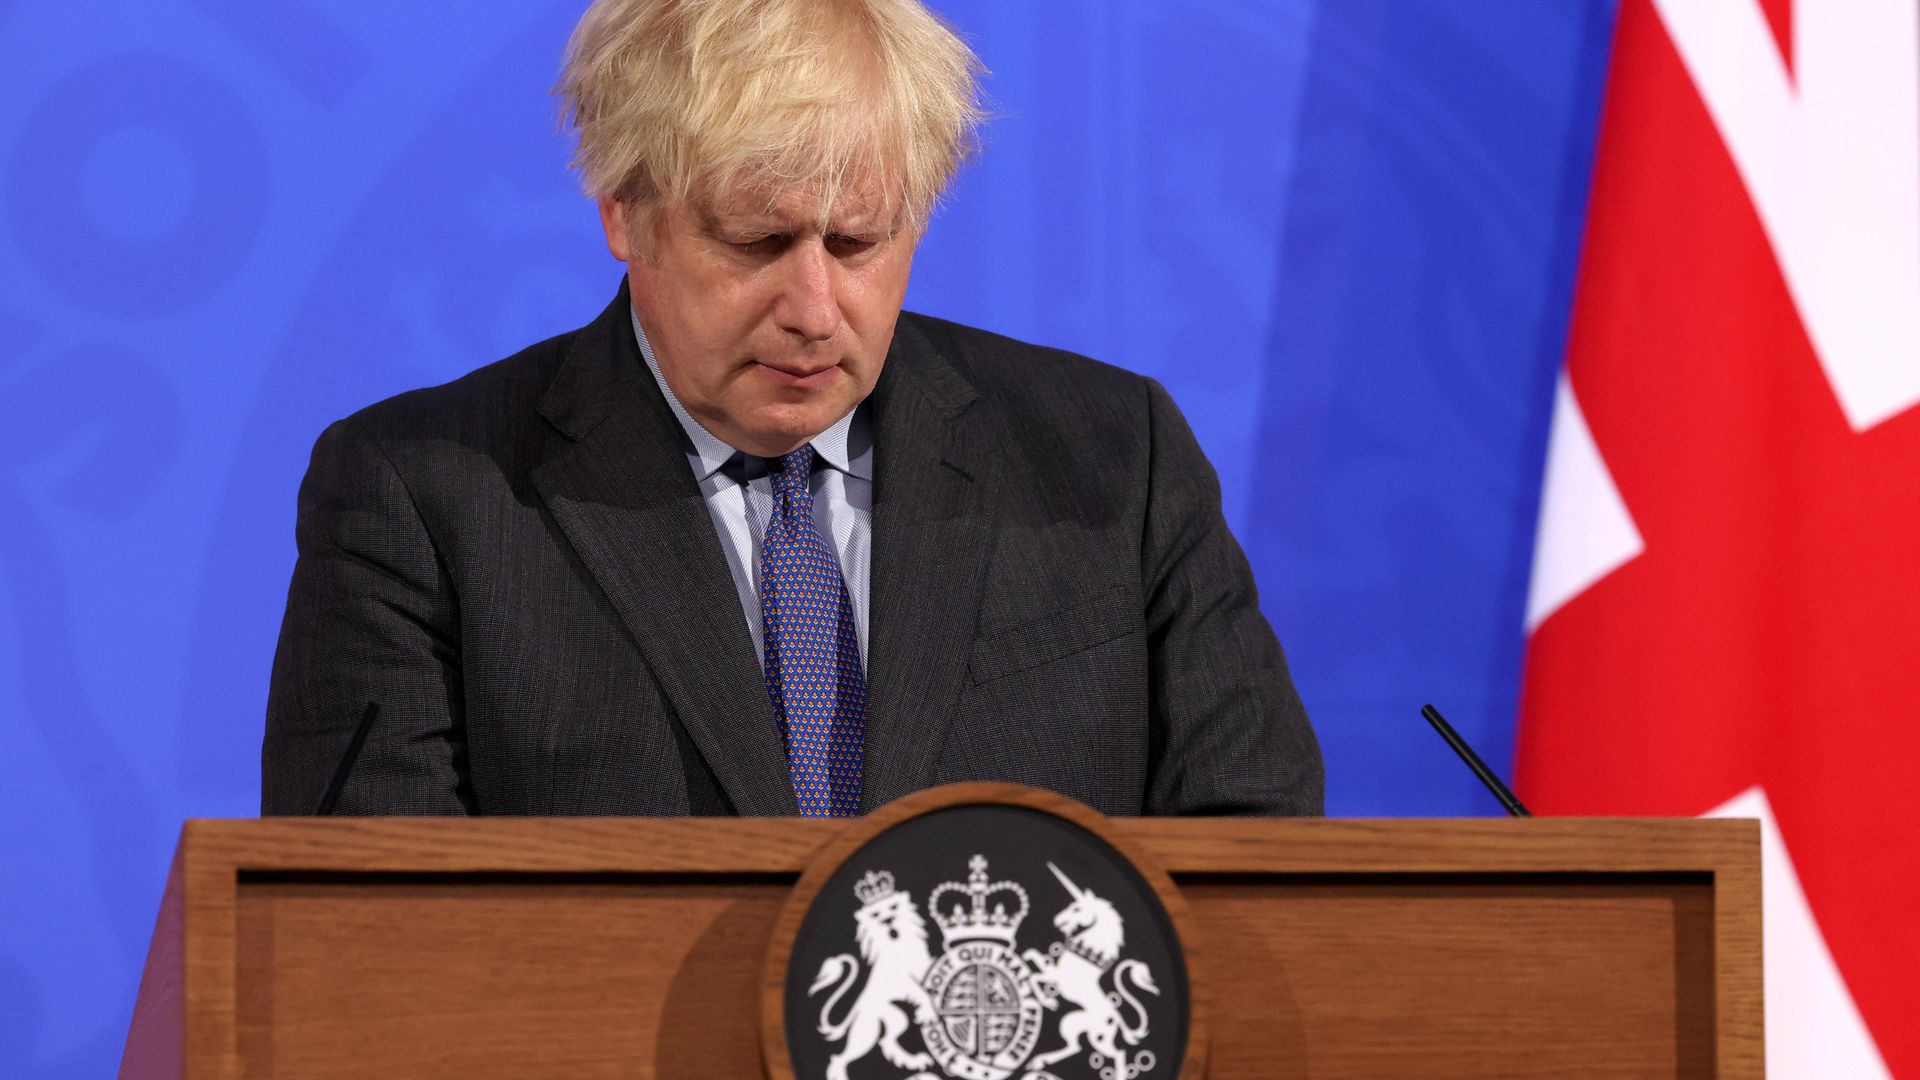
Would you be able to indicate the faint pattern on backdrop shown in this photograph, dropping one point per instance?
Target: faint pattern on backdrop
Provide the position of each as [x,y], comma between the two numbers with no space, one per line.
[1341,234]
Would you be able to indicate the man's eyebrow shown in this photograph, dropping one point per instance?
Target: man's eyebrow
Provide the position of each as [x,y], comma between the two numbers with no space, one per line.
[774,222]
[865,224]
[747,224]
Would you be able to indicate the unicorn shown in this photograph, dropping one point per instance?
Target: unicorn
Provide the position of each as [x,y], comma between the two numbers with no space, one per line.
[1075,970]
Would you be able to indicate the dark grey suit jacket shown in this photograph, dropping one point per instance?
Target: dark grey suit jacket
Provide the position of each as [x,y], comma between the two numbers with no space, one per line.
[519,568]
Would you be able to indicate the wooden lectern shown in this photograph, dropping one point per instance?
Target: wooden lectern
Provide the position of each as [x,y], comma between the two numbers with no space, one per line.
[580,948]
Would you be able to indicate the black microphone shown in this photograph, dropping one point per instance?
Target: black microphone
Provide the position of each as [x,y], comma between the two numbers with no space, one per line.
[1486,775]
[346,763]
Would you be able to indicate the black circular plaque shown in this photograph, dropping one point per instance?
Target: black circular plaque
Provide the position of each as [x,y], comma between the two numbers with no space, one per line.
[986,941]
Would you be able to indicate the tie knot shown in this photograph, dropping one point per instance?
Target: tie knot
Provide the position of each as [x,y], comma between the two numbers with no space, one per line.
[793,471]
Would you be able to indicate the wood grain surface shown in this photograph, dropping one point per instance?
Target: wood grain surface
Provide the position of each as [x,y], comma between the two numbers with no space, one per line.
[639,948]
[156,1048]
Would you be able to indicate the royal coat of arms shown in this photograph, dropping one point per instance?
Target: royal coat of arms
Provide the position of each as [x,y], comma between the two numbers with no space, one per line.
[983,1007]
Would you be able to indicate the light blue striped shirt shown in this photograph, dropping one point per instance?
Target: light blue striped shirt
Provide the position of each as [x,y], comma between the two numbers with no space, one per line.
[740,500]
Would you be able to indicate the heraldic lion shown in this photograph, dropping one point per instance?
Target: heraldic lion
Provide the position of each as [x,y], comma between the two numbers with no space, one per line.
[893,942]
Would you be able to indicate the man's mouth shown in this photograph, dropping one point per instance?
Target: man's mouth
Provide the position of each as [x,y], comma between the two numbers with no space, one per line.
[797,376]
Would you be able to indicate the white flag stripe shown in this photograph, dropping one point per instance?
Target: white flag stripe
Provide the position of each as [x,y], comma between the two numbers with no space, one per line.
[1585,532]
[1830,154]
[1813,1028]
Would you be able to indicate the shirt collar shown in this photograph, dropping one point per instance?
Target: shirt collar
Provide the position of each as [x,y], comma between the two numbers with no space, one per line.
[843,446]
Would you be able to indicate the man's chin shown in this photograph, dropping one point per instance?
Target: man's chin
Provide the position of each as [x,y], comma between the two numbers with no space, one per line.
[787,430]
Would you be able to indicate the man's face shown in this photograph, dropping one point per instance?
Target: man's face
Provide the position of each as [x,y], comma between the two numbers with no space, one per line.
[767,327]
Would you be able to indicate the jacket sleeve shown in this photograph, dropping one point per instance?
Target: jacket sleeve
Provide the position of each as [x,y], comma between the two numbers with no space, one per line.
[371,617]
[1229,735]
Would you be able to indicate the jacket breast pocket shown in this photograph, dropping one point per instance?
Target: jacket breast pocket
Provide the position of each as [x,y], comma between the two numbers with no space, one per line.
[1056,635]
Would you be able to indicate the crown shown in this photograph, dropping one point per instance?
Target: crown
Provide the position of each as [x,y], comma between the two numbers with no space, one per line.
[873,887]
[978,910]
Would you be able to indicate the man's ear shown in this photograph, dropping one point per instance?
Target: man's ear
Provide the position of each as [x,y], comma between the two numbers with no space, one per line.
[616,217]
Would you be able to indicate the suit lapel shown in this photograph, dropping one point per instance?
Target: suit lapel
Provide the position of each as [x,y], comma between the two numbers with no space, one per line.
[624,496]
[932,529]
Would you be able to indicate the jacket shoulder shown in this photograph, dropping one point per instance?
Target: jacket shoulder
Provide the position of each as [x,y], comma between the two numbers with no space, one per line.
[492,400]
[1059,401]
[993,361]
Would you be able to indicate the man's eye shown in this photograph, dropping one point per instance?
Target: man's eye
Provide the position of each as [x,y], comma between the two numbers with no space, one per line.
[842,245]
[769,244]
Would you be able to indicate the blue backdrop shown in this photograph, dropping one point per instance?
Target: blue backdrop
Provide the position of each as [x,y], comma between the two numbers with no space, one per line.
[1342,233]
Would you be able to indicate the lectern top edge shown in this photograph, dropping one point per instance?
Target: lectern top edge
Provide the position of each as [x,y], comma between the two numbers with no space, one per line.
[790,845]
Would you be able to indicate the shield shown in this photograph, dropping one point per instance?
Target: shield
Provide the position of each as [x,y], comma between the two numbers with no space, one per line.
[986,1012]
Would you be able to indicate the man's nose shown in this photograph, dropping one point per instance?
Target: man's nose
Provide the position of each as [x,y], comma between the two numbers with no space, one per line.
[808,306]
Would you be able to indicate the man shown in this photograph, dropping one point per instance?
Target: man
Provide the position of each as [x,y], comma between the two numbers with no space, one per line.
[754,541]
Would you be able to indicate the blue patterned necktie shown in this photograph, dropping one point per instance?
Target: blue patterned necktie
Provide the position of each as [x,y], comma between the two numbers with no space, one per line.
[812,648]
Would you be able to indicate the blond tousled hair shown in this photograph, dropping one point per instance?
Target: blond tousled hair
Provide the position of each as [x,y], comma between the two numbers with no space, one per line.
[674,101]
